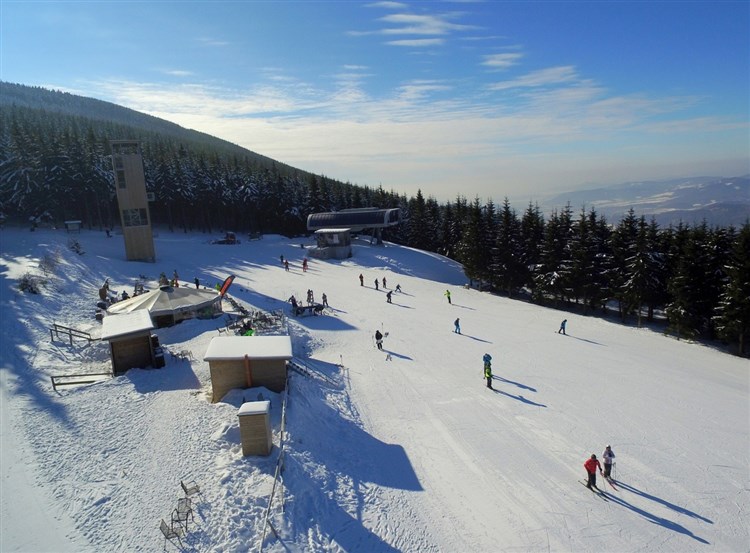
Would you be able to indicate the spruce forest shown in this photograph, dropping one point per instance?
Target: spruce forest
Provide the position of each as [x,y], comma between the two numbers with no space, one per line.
[55,166]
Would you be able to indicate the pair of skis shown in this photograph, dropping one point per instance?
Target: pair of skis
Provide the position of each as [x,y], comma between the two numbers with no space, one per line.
[595,490]
[599,492]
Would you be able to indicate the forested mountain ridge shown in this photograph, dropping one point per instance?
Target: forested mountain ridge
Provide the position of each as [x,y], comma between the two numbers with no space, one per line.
[54,159]
[54,162]
[90,108]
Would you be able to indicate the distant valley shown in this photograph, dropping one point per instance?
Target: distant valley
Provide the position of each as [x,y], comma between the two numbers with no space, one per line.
[719,201]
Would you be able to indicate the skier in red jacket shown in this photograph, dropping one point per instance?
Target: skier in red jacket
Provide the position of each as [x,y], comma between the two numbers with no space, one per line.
[591,465]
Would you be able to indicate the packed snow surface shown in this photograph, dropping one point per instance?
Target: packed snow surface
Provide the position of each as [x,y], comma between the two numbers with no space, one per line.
[404,449]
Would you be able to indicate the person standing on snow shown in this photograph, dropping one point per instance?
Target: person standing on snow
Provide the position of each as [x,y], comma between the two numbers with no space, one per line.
[488,369]
[361,280]
[562,326]
[388,297]
[384,286]
[448,295]
[609,458]
[376,284]
[591,465]
[379,339]
[457,326]
[325,300]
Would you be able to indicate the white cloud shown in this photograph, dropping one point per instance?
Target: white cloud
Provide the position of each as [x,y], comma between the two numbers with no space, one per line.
[408,139]
[502,61]
[178,73]
[543,77]
[417,42]
[412,24]
[387,5]
[207,41]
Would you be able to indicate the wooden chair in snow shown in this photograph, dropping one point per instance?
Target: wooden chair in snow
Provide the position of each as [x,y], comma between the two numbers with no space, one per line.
[191,488]
[171,533]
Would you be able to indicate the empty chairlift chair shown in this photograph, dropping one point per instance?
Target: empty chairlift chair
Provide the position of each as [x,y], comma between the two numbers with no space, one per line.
[172,533]
[191,488]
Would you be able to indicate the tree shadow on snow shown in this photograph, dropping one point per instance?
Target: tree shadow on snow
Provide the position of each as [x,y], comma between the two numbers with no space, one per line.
[655,519]
[664,502]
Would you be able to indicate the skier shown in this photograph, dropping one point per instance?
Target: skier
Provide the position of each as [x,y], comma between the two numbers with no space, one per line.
[379,339]
[388,297]
[293,301]
[488,369]
[361,280]
[281,257]
[398,287]
[175,279]
[591,465]
[304,265]
[197,283]
[286,265]
[609,458]
[384,286]
[325,299]
[376,284]
[448,295]
[457,326]
[562,327]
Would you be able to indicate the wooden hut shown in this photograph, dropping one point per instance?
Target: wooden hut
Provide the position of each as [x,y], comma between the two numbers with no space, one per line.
[255,428]
[247,361]
[130,341]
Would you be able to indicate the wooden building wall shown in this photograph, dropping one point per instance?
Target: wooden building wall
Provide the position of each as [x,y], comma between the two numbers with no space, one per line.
[130,185]
[229,374]
[255,434]
[130,353]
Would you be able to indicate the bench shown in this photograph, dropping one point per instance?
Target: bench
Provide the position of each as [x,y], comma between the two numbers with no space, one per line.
[313,309]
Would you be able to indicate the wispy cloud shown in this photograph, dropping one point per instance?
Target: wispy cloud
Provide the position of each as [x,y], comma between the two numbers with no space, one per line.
[502,61]
[207,41]
[542,77]
[413,24]
[178,73]
[423,130]
[387,5]
[417,42]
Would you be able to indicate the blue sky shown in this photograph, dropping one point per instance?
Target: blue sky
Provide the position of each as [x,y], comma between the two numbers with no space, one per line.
[488,99]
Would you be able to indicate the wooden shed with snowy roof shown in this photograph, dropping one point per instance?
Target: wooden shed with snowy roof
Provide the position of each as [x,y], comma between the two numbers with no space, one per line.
[247,361]
[130,341]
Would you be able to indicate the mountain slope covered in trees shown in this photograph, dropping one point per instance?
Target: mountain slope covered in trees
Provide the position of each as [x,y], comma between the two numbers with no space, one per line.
[54,162]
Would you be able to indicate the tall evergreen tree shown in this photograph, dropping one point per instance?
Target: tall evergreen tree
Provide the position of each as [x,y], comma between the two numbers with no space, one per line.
[732,314]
